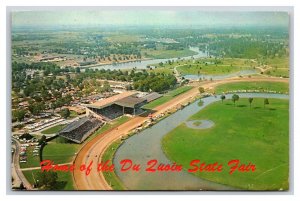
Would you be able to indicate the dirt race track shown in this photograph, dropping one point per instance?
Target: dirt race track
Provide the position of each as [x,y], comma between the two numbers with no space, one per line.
[94,149]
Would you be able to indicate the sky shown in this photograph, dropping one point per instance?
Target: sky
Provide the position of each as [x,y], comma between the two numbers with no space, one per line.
[146,17]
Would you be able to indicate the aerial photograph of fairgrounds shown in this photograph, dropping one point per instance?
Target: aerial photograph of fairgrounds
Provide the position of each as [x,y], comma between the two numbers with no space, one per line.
[149,99]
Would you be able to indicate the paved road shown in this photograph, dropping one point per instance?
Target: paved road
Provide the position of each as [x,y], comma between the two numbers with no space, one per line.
[17,169]
[94,149]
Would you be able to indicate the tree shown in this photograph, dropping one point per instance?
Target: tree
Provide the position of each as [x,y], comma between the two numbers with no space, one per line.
[106,86]
[235,98]
[250,101]
[266,102]
[47,180]
[77,70]
[36,108]
[223,97]
[19,114]
[201,89]
[65,113]
[42,140]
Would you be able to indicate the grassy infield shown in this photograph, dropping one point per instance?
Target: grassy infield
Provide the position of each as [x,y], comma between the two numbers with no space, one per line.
[267,136]
[258,135]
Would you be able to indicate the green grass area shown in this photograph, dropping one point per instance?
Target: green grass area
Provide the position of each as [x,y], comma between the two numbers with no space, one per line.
[261,86]
[32,161]
[166,70]
[282,72]
[60,152]
[166,54]
[209,69]
[111,177]
[178,91]
[73,114]
[278,62]
[258,135]
[54,129]
[65,181]
[167,97]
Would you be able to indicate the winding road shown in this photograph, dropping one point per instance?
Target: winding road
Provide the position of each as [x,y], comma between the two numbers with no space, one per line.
[93,150]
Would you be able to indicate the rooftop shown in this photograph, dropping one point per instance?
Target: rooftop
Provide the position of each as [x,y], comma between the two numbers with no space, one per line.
[130,101]
[109,101]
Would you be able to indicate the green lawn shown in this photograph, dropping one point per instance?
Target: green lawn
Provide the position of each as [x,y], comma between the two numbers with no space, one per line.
[179,91]
[282,72]
[54,129]
[278,62]
[261,86]
[73,114]
[65,181]
[258,135]
[167,97]
[210,69]
[111,177]
[166,70]
[60,152]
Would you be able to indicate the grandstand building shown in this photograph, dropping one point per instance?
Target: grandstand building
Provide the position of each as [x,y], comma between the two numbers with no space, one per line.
[118,105]
[79,130]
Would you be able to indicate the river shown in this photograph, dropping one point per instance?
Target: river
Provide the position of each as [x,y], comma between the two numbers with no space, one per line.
[144,63]
[146,145]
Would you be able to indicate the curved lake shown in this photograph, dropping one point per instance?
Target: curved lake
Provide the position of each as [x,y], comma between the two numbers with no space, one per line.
[146,145]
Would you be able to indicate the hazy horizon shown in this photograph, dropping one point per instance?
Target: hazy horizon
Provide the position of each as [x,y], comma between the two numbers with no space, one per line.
[143,17]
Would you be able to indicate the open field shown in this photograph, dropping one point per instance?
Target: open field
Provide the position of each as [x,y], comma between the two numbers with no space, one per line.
[60,152]
[73,114]
[54,129]
[280,72]
[261,86]
[167,97]
[278,62]
[65,181]
[255,135]
[210,69]
[166,70]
